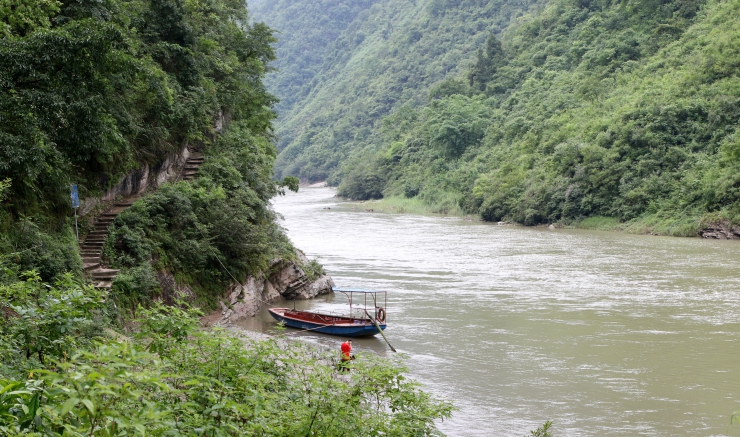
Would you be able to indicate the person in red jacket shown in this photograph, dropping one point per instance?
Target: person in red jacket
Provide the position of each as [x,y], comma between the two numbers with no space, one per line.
[346,355]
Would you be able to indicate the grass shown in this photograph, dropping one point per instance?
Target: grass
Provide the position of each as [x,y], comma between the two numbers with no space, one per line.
[599,223]
[686,226]
[415,205]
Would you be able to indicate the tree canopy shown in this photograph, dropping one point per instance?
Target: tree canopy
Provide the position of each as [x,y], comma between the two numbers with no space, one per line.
[564,110]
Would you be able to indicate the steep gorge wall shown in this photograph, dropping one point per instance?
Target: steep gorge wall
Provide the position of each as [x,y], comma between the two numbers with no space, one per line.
[138,181]
[285,278]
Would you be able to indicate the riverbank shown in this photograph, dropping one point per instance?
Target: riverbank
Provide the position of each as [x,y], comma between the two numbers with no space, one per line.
[713,226]
[414,205]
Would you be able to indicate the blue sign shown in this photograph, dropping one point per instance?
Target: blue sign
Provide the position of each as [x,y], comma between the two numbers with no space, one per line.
[74,195]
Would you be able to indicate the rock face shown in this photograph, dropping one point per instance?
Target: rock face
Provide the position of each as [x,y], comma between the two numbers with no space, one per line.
[138,181]
[720,230]
[287,279]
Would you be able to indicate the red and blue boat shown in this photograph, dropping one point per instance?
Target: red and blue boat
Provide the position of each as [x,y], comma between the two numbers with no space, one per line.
[367,315]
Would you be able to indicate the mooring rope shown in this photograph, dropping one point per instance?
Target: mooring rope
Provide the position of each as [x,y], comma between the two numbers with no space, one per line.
[222,264]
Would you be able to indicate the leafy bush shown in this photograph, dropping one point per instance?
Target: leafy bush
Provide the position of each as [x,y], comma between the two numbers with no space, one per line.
[134,285]
[362,183]
[42,322]
[25,246]
[313,269]
[208,382]
[542,431]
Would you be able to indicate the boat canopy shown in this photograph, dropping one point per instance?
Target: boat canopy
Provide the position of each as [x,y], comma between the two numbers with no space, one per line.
[355,290]
[368,302]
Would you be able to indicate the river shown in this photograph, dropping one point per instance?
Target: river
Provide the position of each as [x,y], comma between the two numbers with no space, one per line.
[603,333]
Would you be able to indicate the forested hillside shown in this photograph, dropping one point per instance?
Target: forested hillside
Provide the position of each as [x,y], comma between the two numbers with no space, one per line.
[306,32]
[622,109]
[387,57]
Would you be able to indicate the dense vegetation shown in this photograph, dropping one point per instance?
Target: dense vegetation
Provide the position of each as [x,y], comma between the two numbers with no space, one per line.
[306,34]
[63,374]
[91,90]
[387,57]
[623,109]
[203,231]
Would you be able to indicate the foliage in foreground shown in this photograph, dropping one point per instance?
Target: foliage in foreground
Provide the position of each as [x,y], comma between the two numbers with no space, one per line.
[542,431]
[174,379]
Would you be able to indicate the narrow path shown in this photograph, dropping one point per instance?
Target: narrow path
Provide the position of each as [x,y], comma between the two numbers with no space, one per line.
[91,248]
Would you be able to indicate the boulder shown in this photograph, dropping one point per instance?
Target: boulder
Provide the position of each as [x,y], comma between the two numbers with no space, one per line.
[289,279]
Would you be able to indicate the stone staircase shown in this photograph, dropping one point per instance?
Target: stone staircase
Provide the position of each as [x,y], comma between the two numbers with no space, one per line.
[192,164]
[91,248]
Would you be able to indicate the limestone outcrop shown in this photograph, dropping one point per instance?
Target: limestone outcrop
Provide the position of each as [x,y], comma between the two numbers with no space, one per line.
[285,278]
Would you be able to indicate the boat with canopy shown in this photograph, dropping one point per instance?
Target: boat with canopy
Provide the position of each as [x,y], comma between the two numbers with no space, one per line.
[367,315]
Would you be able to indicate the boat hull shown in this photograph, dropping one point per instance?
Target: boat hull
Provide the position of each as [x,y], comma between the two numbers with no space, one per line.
[325,324]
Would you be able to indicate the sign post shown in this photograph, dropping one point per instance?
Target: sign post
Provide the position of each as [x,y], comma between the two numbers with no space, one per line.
[74,195]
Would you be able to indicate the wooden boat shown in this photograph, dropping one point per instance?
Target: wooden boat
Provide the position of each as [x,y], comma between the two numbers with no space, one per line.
[366,324]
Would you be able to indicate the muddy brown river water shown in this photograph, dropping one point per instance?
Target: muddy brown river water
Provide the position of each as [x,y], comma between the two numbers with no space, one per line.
[605,334]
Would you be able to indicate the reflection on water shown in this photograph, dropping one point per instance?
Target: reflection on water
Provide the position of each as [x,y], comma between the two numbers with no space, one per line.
[604,333]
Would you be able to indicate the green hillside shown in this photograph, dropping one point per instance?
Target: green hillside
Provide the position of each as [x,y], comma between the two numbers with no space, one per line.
[387,57]
[306,32]
[622,109]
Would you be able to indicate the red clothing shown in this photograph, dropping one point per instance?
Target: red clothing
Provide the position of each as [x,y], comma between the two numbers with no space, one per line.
[346,349]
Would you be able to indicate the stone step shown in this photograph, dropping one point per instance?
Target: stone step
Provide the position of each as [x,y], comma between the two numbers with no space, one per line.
[103,284]
[96,237]
[191,167]
[89,244]
[90,266]
[90,258]
[98,233]
[124,204]
[103,274]
[90,251]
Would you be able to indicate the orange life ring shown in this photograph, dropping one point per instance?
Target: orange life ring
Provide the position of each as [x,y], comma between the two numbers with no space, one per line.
[380,315]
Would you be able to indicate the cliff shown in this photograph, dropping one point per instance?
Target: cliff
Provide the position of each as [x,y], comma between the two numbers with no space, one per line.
[285,278]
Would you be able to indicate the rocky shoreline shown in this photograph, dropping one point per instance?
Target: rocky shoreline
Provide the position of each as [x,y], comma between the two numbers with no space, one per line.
[285,278]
